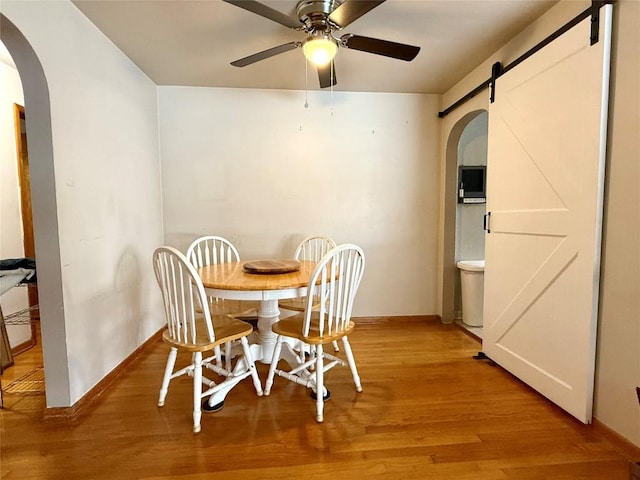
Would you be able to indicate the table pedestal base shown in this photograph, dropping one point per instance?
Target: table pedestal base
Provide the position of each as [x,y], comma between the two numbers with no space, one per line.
[265,340]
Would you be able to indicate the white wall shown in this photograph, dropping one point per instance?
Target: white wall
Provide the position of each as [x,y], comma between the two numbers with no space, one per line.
[11,245]
[259,168]
[108,193]
[617,362]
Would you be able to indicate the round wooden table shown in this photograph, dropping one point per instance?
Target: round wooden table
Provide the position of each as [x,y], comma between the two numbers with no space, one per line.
[231,281]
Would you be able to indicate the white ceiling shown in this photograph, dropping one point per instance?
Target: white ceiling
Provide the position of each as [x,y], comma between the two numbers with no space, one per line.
[191,42]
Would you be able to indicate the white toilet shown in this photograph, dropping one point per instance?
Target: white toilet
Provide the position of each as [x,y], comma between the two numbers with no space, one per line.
[472,283]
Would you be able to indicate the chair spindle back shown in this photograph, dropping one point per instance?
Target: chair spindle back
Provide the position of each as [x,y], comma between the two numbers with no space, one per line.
[212,250]
[313,248]
[336,279]
[183,296]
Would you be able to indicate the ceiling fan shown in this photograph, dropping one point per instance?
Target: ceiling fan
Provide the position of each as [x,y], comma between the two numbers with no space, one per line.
[321,20]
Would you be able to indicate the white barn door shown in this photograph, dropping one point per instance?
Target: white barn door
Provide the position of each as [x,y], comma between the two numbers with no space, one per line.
[545,176]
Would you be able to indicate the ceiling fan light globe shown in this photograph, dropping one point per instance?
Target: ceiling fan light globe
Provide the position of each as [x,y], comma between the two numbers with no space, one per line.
[320,51]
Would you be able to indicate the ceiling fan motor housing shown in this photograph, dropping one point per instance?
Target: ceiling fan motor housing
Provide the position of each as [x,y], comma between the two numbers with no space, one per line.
[314,15]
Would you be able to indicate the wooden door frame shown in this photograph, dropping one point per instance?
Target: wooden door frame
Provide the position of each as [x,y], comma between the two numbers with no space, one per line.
[27,218]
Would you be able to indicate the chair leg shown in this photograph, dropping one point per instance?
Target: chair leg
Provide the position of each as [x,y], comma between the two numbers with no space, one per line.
[306,353]
[197,391]
[302,347]
[319,383]
[352,363]
[251,366]
[227,356]
[274,364]
[168,371]
[336,347]
[218,355]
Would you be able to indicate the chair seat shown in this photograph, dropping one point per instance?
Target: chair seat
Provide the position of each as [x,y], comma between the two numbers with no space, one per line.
[234,308]
[298,304]
[292,327]
[227,329]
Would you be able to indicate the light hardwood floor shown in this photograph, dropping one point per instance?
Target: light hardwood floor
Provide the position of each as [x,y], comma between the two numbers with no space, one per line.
[428,411]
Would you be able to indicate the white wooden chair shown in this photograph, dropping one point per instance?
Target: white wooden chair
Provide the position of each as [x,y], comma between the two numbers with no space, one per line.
[213,250]
[310,249]
[192,328]
[336,278]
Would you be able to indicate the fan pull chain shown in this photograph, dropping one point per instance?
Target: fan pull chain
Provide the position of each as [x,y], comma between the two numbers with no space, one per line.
[331,81]
[306,83]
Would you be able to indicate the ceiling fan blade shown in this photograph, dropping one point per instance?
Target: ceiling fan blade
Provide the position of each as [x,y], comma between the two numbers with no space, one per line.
[351,10]
[327,75]
[256,57]
[400,51]
[266,12]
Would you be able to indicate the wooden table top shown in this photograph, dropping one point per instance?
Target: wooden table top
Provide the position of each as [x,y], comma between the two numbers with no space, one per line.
[231,276]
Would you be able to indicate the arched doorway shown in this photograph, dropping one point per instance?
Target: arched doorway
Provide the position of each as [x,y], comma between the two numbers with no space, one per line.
[449,270]
[45,217]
